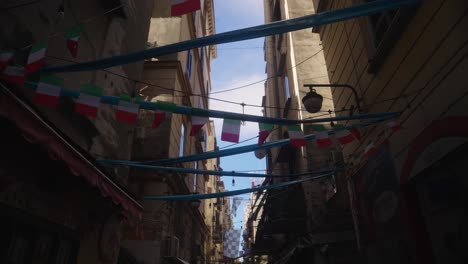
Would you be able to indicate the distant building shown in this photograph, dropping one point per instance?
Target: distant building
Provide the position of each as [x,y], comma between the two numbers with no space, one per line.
[176,232]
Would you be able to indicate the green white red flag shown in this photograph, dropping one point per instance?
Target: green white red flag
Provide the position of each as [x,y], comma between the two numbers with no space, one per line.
[264,132]
[160,116]
[393,126]
[48,90]
[343,135]
[73,37]
[197,123]
[5,57]
[321,136]
[370,150]
[296,136]
[182,7]
[231,130]
[89,100]
[127,110]
[36,57]
[13,75]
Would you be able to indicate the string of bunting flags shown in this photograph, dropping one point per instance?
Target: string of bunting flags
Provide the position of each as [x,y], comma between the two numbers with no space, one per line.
[89,99]
[359,157]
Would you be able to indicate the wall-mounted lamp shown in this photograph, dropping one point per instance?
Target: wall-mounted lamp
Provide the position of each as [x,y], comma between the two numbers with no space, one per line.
[313,101]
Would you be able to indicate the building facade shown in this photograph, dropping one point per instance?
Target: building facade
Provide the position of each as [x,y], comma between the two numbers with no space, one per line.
[57,204]
[176,232]
[409,197]
[297,223]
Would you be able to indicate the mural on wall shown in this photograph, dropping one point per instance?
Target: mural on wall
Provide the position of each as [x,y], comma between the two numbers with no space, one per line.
[377,198]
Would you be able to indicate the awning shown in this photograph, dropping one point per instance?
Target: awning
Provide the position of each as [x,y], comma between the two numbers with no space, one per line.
[36,129]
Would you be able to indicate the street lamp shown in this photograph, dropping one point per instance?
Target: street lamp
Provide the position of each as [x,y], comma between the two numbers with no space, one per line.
[313,101]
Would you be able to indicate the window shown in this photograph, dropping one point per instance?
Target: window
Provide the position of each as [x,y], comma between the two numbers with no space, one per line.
[287,97]
[195,176]
[287,93]
[188,67]
[181,142]
[202,59]
[382,31]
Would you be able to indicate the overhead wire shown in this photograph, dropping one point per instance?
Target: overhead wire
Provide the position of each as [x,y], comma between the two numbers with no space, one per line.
[59,33]
[271,77]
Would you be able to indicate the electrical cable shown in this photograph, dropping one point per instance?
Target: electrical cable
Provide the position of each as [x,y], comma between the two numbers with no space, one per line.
[59,33]
[173,90]
[238,150]
[19,5]
[271,77]
[189,197]
[274,28]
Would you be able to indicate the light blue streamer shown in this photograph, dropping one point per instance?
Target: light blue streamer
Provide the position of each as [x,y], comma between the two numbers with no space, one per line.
[232,151]
[192,111]
[215,172]
[240,34]
[189,197]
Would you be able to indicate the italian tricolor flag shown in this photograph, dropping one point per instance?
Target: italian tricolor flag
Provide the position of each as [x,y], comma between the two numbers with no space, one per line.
[36,57]
[264,132]
[370,150]
[344,136]
[321,136]
[181,7]
[197,123]
[89,100]
[48,90]
[160,116]
[127,110]
[231,130]
[296,136]
[13,75]
[393,126]
[73,37]
[5,58]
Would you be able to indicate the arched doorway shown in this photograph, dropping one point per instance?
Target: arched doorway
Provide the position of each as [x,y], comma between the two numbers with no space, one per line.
[433,198]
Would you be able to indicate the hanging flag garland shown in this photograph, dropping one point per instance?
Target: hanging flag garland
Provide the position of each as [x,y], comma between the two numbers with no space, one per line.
[5,58]
[231,130]
[344,136]
[235,204]
[48,90]
[393,126]
[197,123]
[369,150]
[182,7]
[127,110]
[321,136]
[296,136]
[160,116]
[73,37]
[355,132]
[264,132]
[14,75]
[36,57]
[89,100]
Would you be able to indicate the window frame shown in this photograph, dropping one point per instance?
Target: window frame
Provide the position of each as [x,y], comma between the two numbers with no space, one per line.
[378,52]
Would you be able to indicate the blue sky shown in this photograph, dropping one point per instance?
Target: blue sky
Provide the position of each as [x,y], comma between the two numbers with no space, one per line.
[238,64]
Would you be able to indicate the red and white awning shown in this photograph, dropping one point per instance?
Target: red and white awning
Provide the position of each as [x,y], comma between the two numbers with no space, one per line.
[38,130]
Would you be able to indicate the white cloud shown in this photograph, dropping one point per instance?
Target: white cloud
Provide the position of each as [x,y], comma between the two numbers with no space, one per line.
[249,95]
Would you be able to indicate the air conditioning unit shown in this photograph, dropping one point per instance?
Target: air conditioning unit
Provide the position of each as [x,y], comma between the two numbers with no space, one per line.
[171,247]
